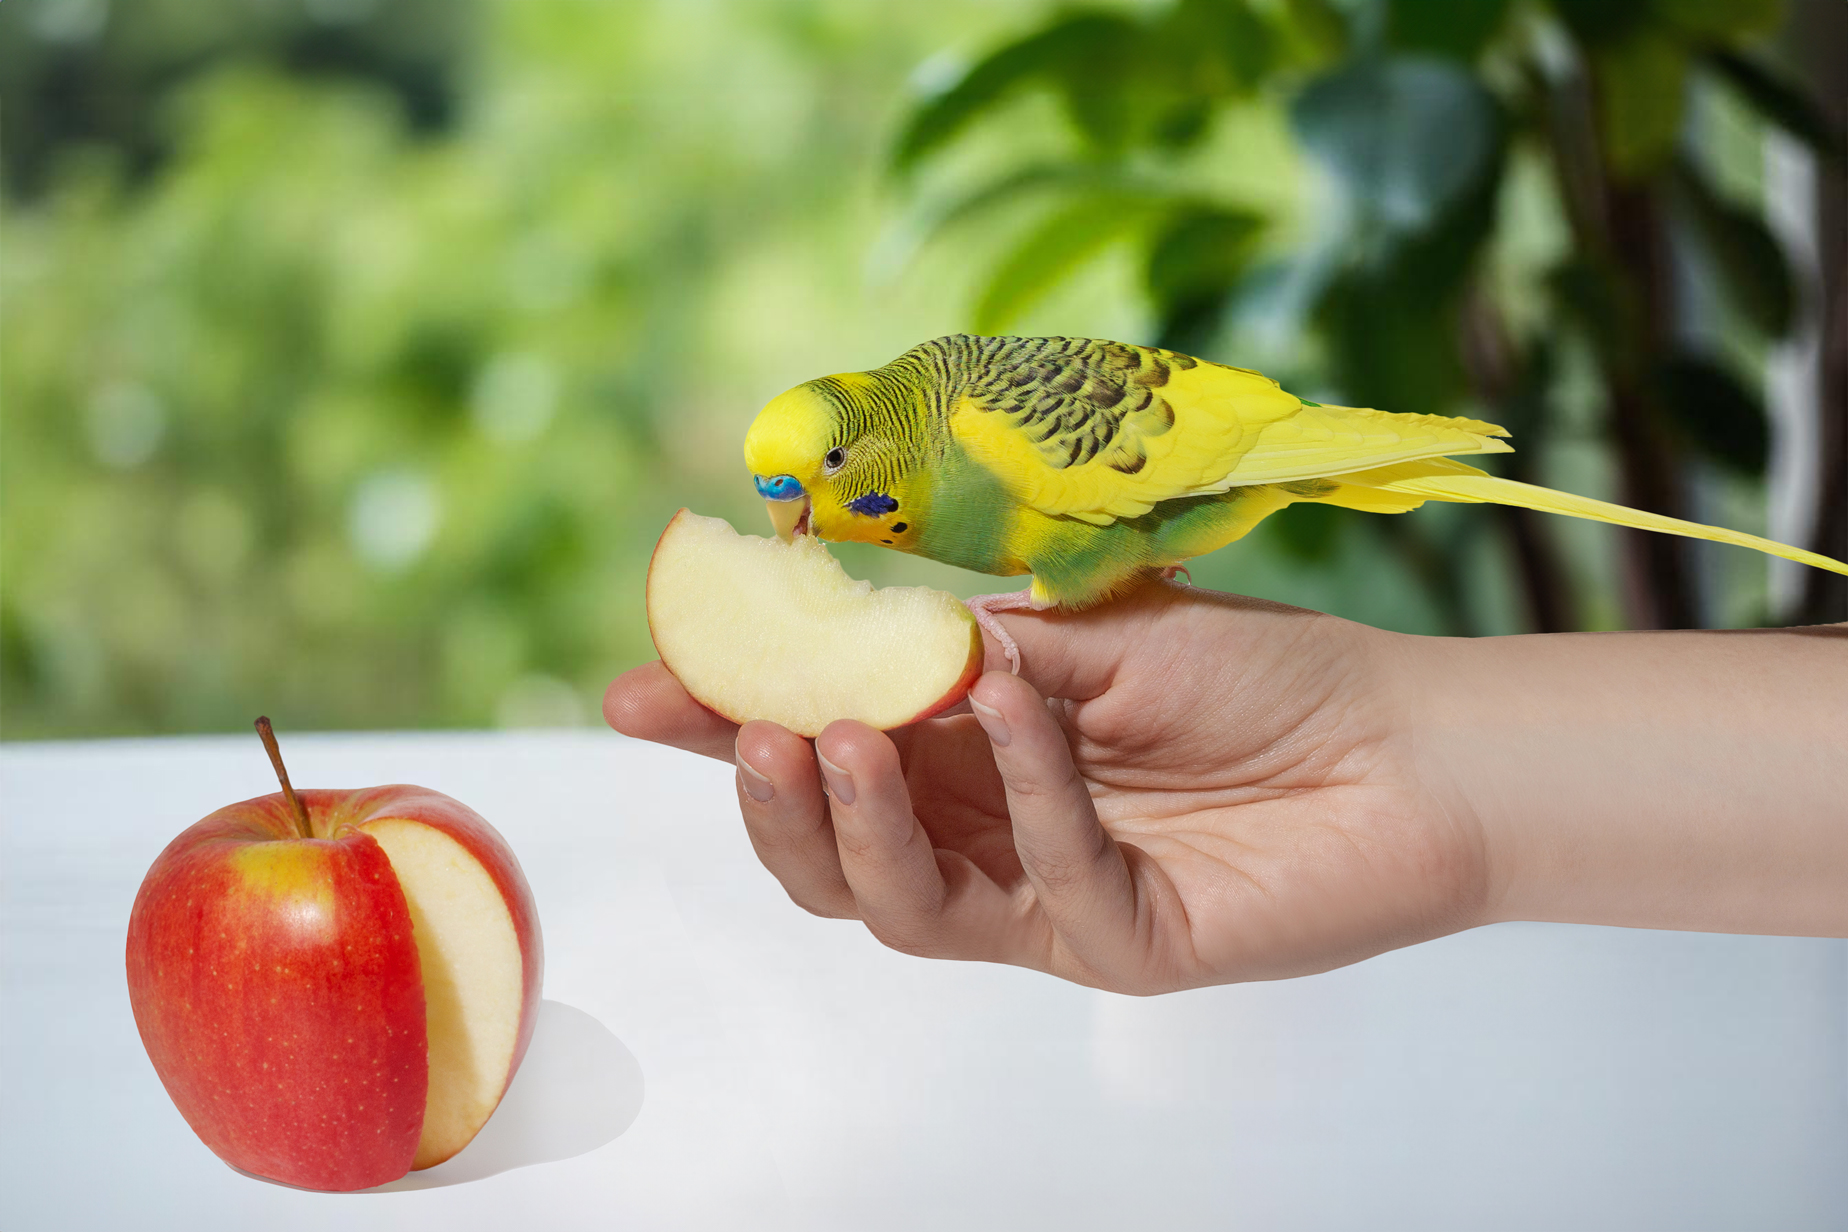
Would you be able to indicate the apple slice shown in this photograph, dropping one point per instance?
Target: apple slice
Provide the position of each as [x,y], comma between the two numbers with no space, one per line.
[761,629]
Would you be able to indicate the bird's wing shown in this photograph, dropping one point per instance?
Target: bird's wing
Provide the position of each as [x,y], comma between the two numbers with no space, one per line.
[1103,430]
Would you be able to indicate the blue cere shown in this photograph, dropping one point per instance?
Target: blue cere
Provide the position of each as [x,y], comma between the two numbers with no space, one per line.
[872,505]
[778,487]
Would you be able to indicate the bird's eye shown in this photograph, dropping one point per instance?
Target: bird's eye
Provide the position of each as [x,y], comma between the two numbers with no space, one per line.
[835,459]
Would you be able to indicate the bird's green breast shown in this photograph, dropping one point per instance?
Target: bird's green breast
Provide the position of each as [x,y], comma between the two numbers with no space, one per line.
[965,517]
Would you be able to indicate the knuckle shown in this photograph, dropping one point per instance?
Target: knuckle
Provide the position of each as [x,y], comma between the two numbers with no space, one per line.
[1063,871]
[1059,876]
[779,836]
[1067,785]
[858,845]
[915,940]
[827,905]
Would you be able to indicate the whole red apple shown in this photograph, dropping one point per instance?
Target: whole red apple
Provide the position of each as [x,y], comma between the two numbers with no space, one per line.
[336,987]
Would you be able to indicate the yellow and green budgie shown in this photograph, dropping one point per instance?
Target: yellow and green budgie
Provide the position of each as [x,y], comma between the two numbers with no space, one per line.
[1093,464]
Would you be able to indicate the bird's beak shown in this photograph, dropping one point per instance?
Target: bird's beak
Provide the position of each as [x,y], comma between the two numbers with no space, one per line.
[790,517]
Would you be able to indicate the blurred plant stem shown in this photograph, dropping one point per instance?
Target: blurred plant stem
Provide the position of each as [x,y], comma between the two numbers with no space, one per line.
[1817,43]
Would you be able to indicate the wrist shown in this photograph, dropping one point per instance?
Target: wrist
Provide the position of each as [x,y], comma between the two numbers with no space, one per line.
[1694,780]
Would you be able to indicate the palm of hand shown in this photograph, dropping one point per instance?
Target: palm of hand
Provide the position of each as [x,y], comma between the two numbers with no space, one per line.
[1218,793]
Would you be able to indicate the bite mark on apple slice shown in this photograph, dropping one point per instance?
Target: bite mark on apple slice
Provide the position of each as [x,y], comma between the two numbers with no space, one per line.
[472,977]
[756,628]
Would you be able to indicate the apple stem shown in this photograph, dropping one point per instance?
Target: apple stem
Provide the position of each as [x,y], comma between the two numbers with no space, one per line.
[282,776]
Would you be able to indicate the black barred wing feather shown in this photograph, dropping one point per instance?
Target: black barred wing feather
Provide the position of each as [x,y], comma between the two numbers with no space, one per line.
[1103,430]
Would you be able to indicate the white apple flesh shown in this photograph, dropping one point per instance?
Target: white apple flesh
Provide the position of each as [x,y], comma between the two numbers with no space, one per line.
[757,628]
[474,972]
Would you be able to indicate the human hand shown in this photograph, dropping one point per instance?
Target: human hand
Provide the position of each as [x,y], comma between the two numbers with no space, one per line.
[1220,789]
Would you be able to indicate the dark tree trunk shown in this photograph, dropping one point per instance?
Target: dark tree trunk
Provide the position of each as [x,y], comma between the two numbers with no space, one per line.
[1659,575]
[1488,357]
[1619,229]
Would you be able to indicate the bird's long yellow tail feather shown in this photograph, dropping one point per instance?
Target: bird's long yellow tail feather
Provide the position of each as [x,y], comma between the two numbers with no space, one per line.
[1441,479]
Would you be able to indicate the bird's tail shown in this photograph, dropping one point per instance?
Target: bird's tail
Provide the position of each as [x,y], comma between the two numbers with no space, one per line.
[1409,484]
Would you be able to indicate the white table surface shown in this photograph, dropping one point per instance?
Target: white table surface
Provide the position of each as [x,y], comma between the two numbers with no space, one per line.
[712,1057]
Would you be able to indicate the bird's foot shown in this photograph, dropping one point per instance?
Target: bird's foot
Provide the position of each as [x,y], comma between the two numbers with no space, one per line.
[984,607]
[1168,574]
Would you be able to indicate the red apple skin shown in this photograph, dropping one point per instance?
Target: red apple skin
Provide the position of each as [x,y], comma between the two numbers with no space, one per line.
[276,984]
[971,673]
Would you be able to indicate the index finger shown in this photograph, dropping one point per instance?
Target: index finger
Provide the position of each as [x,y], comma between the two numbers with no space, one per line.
[1076,655]
[648,703]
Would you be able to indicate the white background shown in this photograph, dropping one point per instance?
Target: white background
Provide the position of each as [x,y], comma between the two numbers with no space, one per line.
[710,1056]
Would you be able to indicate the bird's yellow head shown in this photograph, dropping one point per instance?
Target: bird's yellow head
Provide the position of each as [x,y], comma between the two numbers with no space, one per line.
[828,459]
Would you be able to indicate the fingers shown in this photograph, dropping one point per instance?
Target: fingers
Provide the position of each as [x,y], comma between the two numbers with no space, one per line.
[787,819]
[913,898]
[648,703]
[1077,870]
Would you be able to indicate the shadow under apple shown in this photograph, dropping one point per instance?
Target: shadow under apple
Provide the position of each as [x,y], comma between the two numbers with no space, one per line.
[578,1089]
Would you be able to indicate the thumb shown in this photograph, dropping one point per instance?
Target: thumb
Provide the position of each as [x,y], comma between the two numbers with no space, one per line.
[1076,869]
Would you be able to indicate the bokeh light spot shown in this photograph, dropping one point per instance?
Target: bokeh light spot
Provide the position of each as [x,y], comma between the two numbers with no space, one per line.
[125,423]
[514,396]
[393,517]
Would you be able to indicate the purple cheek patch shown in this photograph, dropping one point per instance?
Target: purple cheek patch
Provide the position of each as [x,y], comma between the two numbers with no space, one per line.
[872,505]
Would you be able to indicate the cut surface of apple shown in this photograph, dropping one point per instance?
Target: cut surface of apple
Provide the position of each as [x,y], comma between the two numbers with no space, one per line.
[473,980]
[757,628]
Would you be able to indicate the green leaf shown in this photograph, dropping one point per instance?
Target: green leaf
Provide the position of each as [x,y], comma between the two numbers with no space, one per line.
[1386,353]
[1587,292]
[1745,254]
[1185,125]
[1051,251]
[1781,102]
[1194,261]
[1309,531]
[1592,293]
[1406,136]
[1217,46]
[1096,72]
[1391,323]
[1719,20]
[1456,28]
[1596,22]
[1017,184]
[1642,87]
[1201,249]
[1062,53]
[1316,30]
[1715,411]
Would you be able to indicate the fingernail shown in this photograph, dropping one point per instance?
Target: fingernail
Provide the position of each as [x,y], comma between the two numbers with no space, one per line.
[757,786]
[991,722]
[840,783]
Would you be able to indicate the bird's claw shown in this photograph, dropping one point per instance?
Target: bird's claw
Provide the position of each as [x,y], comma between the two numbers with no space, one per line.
[984,607]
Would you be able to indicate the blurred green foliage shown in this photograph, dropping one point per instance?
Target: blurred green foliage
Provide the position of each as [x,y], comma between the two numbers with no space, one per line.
[353,354]
[1518,195]
[327,398]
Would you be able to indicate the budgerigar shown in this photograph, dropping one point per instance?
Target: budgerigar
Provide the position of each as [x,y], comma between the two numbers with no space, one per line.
[1091,464]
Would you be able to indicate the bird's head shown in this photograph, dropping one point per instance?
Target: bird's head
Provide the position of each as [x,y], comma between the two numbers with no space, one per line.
[828,459]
